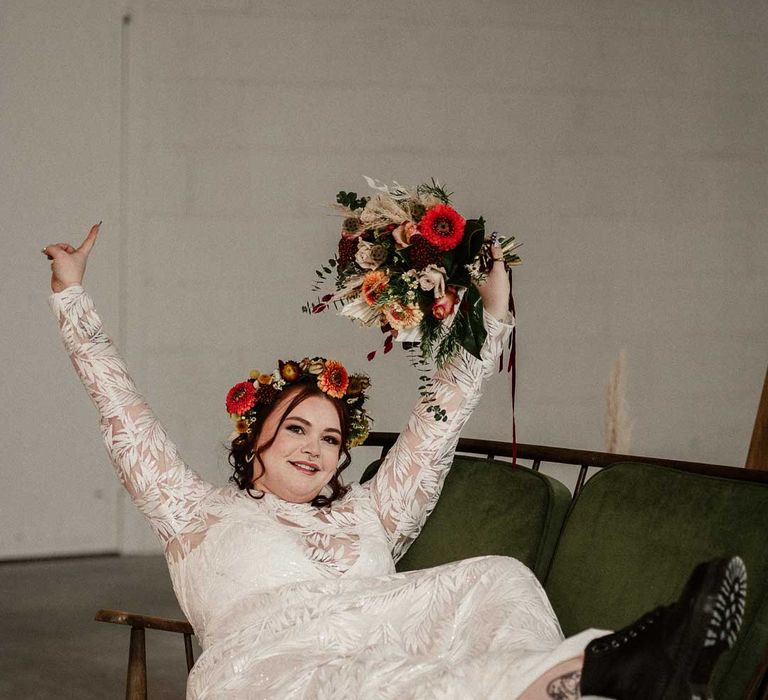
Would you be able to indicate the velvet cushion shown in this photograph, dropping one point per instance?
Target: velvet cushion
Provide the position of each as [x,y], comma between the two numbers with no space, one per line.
[633,537]
[487,507]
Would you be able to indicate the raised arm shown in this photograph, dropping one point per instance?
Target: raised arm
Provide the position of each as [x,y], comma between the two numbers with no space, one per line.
[406,487]
[167,491]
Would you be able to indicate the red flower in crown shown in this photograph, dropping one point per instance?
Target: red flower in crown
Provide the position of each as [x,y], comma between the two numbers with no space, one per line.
[240,398]
[442,226]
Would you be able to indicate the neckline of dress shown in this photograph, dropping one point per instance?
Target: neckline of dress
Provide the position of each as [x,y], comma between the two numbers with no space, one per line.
[276,503]
[273,502]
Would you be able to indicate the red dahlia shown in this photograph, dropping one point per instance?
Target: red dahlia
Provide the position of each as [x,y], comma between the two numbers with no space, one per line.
[442,226]
[423,253]
[347,251]
[240,398]
[266,394]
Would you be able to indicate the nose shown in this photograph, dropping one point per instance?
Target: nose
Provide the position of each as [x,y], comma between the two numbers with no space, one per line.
[312,447]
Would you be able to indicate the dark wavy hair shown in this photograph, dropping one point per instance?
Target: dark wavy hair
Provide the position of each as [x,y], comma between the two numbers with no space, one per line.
[243,446]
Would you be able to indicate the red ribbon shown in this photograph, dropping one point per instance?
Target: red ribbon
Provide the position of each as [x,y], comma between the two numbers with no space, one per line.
[512,367]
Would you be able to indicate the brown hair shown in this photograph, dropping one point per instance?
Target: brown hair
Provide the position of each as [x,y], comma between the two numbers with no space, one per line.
[243,456]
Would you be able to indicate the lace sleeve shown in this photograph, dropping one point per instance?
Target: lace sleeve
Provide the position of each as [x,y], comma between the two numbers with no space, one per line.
[167,491]
[406,488]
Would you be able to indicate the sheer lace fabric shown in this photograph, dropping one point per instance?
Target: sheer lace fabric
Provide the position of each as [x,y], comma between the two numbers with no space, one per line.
[292,601]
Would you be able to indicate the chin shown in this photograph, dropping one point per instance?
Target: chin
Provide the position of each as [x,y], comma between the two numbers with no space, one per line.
[301,497]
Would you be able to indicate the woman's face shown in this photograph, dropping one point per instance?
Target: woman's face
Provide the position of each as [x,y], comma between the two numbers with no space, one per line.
[306,450]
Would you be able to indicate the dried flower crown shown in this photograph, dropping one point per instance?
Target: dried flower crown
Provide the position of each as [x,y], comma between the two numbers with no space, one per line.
[245,398]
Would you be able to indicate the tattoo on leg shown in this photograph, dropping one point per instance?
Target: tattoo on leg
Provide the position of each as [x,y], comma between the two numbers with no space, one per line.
[565,687]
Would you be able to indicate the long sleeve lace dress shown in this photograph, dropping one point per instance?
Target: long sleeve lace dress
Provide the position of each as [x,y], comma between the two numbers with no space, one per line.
[293,601]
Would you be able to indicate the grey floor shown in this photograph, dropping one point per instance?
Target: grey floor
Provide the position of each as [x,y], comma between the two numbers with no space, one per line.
[50,646]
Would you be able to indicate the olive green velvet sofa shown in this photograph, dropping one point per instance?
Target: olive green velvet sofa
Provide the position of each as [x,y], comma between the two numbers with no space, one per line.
[623,544]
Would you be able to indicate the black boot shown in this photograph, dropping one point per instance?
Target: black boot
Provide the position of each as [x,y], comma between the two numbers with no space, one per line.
[669,653]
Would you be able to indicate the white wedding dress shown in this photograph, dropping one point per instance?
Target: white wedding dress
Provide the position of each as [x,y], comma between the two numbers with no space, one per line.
[291,601]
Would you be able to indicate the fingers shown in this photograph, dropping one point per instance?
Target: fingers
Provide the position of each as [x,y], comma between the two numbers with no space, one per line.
[90,239]
[495,249]
[497,257]
[57,249]
[54,250]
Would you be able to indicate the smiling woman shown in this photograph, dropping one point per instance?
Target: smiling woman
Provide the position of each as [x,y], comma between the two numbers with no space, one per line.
[293,593]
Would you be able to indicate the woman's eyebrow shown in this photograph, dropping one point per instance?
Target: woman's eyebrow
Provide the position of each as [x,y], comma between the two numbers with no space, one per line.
[308,423]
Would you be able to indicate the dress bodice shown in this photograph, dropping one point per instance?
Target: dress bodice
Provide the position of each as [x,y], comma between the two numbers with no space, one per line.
[259,545]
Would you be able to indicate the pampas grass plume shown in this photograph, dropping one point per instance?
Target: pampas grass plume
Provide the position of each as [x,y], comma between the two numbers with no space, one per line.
[618,427]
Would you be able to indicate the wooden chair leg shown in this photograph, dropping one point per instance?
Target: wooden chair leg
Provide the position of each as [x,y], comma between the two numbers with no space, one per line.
[188,650]
[136,684]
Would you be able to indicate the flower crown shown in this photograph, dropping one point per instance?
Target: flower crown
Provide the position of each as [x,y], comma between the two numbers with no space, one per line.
[245,398]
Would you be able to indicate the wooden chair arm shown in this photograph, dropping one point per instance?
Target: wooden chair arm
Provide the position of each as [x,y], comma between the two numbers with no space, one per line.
[136,680]
[167,624]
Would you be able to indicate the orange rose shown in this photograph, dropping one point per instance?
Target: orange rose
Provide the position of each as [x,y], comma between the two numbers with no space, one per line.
[403,233]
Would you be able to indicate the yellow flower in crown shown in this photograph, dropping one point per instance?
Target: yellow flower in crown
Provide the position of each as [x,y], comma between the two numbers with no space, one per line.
[290,371]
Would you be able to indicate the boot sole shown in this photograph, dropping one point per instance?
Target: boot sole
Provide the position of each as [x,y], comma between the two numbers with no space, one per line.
[715,619]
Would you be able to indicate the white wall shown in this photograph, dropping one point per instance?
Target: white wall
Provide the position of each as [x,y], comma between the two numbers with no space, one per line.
[624,143]
[59,173]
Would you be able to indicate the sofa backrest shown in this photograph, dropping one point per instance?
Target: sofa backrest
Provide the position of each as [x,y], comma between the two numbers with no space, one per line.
[489,507]
[633,536]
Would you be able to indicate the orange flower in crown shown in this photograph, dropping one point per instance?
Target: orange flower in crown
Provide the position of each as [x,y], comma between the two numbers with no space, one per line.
[334,379]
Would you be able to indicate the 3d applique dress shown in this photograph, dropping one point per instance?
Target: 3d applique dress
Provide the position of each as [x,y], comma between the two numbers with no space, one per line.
[291,601]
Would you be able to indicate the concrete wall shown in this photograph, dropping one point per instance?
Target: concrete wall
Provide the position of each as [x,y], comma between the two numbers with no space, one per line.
[624,143]
[59,173]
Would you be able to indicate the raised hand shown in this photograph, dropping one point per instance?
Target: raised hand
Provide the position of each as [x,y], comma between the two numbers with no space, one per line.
[68,263]
[495,290]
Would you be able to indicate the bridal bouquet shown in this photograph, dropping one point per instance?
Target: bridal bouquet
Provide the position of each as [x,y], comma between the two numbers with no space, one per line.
[405,263]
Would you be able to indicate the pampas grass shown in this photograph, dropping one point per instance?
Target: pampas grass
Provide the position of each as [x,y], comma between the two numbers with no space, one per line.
[618,427]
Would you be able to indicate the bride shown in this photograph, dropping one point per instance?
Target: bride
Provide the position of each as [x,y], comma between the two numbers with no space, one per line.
[288,576]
